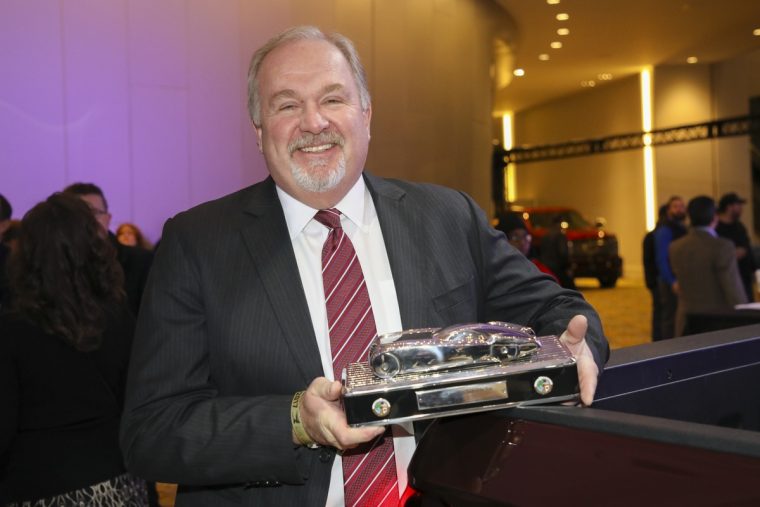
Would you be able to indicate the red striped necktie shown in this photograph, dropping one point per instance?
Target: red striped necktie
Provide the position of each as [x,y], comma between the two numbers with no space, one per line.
[369,471]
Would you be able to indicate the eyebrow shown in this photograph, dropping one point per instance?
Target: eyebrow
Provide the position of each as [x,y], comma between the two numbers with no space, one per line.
[289,94]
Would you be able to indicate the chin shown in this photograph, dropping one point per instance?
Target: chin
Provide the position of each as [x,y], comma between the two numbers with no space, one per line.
[319,179]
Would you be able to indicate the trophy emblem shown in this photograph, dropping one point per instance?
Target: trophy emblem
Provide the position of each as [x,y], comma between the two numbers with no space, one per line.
[436,372]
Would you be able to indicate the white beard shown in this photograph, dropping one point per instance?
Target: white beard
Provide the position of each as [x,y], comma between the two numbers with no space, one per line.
[316,177]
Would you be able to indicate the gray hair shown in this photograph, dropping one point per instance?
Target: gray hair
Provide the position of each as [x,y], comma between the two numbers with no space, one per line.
[344,45]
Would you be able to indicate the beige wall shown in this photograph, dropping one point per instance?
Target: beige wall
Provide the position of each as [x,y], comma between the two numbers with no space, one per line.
[609,185]
[428,63]
[612,185]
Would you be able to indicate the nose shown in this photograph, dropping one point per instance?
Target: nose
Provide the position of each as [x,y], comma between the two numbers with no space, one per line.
[312,120]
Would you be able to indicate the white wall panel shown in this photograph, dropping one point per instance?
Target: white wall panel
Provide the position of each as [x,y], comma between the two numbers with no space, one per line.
[97,100]
[160,156]
[32,125]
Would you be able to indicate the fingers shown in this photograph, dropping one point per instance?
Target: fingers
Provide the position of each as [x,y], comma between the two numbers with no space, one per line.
[575,332]
[574,338]
[588,373]
[324,420]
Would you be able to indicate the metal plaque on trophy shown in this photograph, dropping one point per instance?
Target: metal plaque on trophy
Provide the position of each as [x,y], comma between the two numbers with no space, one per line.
[426,373]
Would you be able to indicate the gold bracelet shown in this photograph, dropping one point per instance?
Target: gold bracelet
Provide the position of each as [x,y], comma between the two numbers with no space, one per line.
[295,420]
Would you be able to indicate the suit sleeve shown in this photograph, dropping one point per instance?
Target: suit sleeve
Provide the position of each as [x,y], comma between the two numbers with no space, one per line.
[728,274]
[515,291]
[176,426]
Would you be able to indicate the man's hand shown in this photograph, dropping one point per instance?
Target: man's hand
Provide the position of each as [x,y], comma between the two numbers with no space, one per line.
[574,338]
[324,420]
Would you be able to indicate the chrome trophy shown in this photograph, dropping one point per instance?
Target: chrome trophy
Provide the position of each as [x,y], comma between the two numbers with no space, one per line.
[431,372]
[461,346]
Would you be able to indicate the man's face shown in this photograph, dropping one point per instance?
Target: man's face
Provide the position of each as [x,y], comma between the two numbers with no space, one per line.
[98,208]
[735,210]
[677,210]
[314,133]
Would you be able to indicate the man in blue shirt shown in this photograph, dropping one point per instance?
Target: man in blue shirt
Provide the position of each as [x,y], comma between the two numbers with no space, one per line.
[672,228]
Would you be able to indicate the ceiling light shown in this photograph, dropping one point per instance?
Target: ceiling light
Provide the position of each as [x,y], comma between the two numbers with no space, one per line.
[556,44]
[563,31]
[519,72]
[563,16]
[543,57]
[756,32]
[552,2]
[588,84]
[604,76]
[692,59]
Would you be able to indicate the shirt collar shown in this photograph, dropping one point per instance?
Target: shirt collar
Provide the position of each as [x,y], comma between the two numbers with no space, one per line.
[298,214]
[709,230]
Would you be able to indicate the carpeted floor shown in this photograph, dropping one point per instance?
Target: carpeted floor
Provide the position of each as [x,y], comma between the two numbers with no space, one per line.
[625,310]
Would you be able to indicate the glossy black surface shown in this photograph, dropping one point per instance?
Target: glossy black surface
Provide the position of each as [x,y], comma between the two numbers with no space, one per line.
[697,442]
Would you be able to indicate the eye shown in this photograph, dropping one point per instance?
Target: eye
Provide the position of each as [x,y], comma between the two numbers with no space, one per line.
[334,100]
[286,107]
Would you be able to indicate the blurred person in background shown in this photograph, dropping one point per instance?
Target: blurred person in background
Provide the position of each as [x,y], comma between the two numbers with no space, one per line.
[519,237]
[130,235]
[705,266]
[672,228]
[64,351]
[555,253]
[6,212]
[134,261]
[649,259]
[730,209]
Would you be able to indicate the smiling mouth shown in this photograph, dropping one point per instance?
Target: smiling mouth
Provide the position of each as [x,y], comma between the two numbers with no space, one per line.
[316,149]
[310,143]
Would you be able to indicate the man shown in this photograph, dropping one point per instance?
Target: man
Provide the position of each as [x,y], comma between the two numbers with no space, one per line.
[730,209]
[555,253]
[134,261]
[667,285]
[705,266]
[235,316]
[649,260]
[513,226]
[6,213]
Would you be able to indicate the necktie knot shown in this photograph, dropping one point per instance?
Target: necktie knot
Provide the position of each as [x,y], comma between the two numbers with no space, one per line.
[330,218]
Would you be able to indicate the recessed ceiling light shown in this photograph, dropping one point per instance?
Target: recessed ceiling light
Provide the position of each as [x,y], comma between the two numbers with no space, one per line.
[604,76]
[563,16]
[519,72]
[692,59]
[543,57]
[556,44]
[552,2]
[588,84]
[756,32]
[563,31]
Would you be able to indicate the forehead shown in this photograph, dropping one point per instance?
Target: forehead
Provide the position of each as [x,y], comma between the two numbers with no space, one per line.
[303,64]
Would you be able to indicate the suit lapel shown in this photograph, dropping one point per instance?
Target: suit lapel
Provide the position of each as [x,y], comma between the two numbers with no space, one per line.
[403,234]
[266,237]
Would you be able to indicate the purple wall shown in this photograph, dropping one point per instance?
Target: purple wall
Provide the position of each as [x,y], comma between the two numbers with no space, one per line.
[144,98]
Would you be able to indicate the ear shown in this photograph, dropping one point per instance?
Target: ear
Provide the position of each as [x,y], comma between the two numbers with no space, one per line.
[367,118]
[259,138]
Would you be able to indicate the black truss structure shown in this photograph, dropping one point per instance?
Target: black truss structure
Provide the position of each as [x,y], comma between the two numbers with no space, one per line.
[697,132]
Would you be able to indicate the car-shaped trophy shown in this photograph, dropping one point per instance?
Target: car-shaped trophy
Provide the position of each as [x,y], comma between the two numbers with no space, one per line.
[435,372]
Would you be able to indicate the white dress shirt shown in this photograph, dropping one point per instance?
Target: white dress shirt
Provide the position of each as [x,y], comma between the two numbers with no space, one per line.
[360,223]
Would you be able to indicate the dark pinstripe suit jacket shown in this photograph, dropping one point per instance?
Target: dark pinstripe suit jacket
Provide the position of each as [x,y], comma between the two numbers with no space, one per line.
[224,337]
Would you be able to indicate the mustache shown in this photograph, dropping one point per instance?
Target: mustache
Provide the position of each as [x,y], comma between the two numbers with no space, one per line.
[308,139]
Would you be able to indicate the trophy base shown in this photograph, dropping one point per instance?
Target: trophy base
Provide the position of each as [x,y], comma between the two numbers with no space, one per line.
[549,376]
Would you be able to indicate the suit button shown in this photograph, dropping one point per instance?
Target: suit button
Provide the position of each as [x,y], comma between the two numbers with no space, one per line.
[325,455]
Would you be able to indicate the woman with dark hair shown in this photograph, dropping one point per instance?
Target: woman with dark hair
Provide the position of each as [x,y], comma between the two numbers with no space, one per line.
[64,349]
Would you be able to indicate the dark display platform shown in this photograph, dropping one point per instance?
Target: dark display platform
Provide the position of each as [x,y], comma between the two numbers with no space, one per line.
[674,423]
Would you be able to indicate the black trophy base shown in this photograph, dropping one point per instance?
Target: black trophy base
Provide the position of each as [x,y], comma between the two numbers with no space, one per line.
[551,376]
